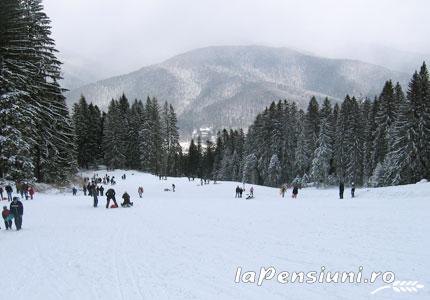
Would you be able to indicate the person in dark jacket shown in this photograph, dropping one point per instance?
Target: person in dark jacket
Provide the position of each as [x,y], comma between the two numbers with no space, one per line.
[89,189]
[74,191]
[1,193]
[110,195]
[237,192]
[353,190]
[295,191]
[101,189]
[95,194]
[17,210]
[84,188]
[7,217]
[126,202]
[9,191]
[341,189]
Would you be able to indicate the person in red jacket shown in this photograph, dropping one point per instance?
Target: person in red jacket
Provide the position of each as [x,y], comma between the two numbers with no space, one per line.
[7,217]
[31,192]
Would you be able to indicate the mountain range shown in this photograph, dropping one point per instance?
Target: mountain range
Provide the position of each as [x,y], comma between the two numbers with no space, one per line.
[227,86]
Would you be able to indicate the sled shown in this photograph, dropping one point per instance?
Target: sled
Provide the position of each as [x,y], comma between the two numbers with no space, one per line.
[114,206]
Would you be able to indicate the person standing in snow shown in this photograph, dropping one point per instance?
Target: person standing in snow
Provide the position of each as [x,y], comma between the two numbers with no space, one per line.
[341,189]
[94,192]
[251,191]
[74,191]
[126,202]
[110,195]
[7,217]
[295,191]
[237,192]
[140,191]
[9,191]
[1,193]
[31,191]
[353,190]
[24,190]
[283,190]
[90,192]
[101,189]
[173,187]
[17,210]
[84,188]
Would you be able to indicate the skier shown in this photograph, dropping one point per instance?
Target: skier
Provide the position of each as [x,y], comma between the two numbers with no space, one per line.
[7,217]
[126,202]
[101,190]
[110,195]
[295,191]
[341,189]
[17,210]
[74,191]
[173,187]
[9,191]
[353,190]
[84,188]
[283,190]
[237,192]
[31,191]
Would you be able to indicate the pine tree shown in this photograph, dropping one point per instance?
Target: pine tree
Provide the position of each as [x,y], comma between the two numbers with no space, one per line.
[323,153]
[385,116]
[37,134]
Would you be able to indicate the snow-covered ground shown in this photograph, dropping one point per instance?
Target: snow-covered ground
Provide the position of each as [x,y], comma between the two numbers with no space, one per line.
[188,244]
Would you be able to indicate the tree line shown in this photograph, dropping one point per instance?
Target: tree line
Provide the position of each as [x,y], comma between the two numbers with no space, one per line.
[137,136]
[36,133]
[381,142]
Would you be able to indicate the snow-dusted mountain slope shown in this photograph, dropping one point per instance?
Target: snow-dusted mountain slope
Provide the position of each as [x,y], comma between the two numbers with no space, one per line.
[189,244]
[228,86]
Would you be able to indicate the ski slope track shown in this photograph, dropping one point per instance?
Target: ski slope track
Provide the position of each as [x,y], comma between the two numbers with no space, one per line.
[189,244]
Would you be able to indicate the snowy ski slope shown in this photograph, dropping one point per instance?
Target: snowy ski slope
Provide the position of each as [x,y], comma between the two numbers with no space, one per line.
[188,244]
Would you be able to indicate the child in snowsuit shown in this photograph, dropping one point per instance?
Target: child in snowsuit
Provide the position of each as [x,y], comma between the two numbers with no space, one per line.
[7,217]
[31,192]
[126,202]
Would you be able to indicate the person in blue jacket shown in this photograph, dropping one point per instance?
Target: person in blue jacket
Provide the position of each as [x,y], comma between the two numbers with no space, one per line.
[17,210]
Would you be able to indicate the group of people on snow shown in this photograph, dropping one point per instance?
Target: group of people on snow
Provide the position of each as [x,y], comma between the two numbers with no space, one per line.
[22,188]
[296,188]
[15,212]
[95,189]
[342,189]
[239,192]
[284,189]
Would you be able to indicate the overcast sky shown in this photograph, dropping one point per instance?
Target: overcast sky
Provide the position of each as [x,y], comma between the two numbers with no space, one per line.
[128,34]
